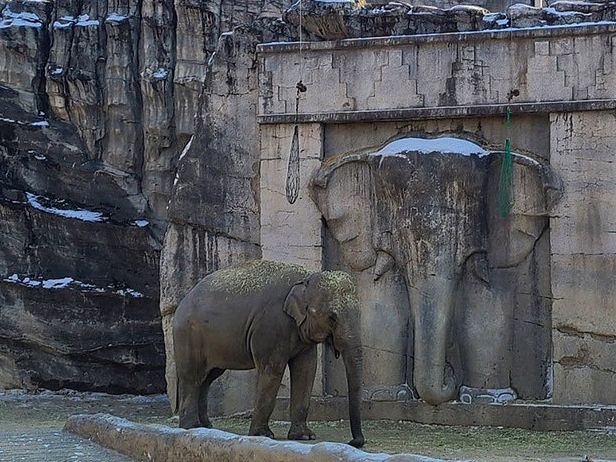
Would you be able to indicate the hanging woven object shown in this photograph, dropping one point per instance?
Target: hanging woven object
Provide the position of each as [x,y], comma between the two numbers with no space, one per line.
[505,182]
[292,188]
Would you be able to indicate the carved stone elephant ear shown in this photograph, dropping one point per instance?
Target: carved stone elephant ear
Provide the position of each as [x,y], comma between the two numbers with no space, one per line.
[342,190]
[536,190]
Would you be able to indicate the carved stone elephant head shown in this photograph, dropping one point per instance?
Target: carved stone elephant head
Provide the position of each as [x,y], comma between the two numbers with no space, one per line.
[433,215]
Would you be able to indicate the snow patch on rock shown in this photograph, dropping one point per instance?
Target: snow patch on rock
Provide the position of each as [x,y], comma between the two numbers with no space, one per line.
[140,223]
[39,203]
[70,283]
[117,18]
[10,18]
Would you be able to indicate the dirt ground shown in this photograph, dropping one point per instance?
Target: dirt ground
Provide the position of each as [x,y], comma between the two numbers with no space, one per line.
[47,412]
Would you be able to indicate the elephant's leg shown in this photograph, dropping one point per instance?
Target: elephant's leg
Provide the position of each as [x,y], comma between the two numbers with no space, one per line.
[268,383]
[188,388]
[205,387]
[303,369]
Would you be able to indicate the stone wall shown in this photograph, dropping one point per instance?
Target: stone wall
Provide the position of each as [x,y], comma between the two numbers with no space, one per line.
[439,71]
[584,257]
[364,93]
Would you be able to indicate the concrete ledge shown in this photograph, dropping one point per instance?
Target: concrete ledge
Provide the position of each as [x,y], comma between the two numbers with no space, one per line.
[442,112]
[160,443]
[571,30]
[529,416]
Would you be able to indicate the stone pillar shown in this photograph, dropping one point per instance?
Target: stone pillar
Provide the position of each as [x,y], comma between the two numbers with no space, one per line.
[291,233]
[583,258]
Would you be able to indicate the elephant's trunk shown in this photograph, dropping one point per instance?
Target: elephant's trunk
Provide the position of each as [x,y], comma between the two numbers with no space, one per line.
[432,308]
[352,357]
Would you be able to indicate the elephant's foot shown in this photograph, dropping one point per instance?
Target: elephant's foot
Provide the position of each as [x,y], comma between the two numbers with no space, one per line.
[357,442]
[300,432]
[189,421]
[205,423]
[262,430]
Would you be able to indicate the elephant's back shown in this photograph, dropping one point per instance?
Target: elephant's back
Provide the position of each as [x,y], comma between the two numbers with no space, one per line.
[240,288]
[254,277]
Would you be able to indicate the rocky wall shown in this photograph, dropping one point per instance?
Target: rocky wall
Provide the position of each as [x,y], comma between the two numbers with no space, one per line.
[97,103]
[214,212]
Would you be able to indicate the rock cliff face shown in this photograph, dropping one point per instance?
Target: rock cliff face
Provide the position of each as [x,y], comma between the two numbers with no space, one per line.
[129,128]
[97,102]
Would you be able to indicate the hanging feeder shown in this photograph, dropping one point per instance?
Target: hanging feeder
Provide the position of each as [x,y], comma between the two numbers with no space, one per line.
[293,175]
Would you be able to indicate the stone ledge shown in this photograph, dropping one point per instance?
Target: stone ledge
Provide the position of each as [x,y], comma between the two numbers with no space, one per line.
[160,443]
[422,113]
[530,416]
[571,30]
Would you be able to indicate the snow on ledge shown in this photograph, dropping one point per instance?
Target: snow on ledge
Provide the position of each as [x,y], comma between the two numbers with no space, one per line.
[446,145]
[140,223]
[116,18]
[70,283]
[78,214]
[9,18]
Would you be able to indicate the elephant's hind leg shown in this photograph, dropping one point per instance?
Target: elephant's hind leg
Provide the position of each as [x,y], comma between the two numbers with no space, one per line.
[204,419]
[303,369]
[188,389]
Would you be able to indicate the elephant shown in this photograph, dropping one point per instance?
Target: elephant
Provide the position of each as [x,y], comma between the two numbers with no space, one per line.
[264,315]
[432,217]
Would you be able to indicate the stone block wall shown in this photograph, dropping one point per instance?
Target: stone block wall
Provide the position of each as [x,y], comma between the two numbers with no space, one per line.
[560,85]
[583,253]
[442,71]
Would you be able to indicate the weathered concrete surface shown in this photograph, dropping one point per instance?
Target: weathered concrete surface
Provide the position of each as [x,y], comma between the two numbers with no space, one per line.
[471,70]
[160,443]
[49,445]
[540,417]
[446,75]
[584,258]
[31,423]
[290,232]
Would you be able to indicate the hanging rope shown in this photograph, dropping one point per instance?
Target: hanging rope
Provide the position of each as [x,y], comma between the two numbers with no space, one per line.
[293,168]
[505,181]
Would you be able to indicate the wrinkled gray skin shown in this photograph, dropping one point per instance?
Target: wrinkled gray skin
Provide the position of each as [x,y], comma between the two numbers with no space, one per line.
[266,315]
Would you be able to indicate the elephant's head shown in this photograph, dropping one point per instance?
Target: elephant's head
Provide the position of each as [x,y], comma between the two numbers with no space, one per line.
[429,212]
[325,306]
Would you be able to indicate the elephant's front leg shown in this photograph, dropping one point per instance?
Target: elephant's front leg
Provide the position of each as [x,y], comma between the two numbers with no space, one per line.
[268,382]
[303,369]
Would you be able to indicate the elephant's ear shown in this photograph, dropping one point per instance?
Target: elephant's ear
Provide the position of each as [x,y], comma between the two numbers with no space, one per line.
[295,304]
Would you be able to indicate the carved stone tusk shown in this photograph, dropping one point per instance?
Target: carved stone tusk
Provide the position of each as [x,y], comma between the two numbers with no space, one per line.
[384,262]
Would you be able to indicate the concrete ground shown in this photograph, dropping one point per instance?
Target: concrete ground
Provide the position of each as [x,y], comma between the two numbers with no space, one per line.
[31,424]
